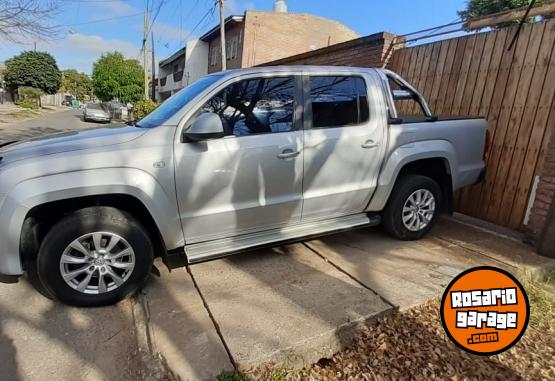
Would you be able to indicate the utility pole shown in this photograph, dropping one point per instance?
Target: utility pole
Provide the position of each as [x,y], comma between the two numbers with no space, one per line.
[145,53]
[153,84]
[222,34]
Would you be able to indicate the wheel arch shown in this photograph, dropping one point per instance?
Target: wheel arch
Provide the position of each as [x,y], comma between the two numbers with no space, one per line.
[435,159]
[42,217]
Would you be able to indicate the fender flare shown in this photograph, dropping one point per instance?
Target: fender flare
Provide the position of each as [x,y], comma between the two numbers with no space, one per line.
[136,183]
[403,155]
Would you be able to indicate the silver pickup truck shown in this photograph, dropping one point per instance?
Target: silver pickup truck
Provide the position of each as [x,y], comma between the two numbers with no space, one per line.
[238,160]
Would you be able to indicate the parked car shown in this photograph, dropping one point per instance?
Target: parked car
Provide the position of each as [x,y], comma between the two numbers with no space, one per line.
[95,112]
[238,160]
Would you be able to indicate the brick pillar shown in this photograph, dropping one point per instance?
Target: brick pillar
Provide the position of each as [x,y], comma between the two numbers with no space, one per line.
[541,226]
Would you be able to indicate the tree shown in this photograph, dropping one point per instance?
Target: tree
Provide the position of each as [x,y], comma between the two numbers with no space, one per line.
[77,84]
[116,77]
[24,20]
[477,8]
[33,69]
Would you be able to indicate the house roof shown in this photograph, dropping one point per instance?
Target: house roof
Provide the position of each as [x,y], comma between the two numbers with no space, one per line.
[171,58]
[216,30]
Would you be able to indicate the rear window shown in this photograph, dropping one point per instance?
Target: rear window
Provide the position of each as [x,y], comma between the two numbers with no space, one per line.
[338,101]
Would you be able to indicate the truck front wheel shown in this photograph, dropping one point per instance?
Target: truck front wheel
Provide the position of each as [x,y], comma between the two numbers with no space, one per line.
[94,257]
[413,207]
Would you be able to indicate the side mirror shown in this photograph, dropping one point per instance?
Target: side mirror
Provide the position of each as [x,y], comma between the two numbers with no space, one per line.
[402,95]
[207,126]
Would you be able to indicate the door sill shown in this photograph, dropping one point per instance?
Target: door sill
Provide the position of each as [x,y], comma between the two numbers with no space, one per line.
[205,251]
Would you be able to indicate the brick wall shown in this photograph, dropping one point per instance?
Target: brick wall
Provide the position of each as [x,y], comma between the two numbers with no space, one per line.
[541,227]
[271,36]
[233,35]
[370,51]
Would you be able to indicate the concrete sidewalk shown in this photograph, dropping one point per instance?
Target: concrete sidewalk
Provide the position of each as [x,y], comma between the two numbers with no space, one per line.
[299,303]
[44,340]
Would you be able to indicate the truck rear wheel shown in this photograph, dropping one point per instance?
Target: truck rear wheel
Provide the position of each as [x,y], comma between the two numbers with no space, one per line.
[413,208]
[94,257]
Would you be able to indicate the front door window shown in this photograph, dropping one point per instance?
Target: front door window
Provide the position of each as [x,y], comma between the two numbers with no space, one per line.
[255,106]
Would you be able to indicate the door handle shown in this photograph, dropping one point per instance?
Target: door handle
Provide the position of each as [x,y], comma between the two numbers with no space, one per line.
[370,144]
[288,154]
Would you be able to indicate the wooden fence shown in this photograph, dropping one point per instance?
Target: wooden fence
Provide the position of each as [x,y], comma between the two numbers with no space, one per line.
[514,89]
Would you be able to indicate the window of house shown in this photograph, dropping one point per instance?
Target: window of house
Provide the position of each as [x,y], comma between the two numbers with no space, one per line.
[233,48]
[338,101]
[214,52]
[255,106]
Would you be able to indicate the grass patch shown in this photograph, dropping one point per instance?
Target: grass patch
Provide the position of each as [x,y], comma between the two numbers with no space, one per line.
[230,376]
[540,287]
[268,372]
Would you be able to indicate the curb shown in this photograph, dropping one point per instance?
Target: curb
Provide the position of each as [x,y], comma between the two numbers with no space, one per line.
[155,367]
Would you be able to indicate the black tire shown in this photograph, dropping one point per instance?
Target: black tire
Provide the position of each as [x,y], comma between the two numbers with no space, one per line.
[392,216]
[82,222]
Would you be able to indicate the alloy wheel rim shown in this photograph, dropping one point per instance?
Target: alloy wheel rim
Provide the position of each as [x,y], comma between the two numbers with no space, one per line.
[419,209]
[97,263]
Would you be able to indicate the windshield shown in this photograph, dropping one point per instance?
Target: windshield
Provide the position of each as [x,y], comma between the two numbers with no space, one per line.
[176,102]
[94,106]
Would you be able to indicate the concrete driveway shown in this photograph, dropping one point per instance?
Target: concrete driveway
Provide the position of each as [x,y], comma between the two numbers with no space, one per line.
[293,304]
[303,302]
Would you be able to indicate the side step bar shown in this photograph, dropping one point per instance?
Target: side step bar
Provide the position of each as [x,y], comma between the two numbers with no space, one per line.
[205,251]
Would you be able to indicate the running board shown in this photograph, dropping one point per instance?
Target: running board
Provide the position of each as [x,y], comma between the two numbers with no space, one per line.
[205,251]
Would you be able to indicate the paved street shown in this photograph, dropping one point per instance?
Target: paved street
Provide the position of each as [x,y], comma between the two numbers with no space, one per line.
[296,304]
[63,121]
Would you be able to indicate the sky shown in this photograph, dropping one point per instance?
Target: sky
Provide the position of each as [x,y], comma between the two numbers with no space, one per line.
[92,27]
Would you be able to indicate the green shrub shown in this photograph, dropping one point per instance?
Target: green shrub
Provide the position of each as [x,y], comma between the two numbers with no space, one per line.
[143,107]
[29,97]
[28,103]
[27,92]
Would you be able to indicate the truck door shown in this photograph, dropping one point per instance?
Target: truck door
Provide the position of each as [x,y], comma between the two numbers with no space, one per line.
[343,144]
[251,179]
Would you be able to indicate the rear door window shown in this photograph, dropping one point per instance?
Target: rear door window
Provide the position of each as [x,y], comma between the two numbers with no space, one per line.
[338,101]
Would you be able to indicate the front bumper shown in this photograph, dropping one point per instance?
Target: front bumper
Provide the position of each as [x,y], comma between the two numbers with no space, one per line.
[97,118]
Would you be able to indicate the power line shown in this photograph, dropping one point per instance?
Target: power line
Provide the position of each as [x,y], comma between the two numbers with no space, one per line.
[160,5]
[209,13]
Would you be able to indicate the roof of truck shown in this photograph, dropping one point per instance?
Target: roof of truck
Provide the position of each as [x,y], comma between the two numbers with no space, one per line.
[298,68]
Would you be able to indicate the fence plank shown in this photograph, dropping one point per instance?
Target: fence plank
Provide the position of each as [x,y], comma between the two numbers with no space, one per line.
[453,47]
[471,91]
[518,133]
[497,112]
[439,73]
[492,88]
[501,151]
[463,75]
[536,116]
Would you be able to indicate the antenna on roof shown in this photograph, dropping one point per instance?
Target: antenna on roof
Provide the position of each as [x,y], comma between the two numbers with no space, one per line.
[280,6]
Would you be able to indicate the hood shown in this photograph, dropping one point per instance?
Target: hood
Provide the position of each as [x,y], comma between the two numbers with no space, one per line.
[69,141]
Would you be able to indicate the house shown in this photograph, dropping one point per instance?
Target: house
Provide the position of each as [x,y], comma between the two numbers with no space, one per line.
[252,39]
[181,68]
